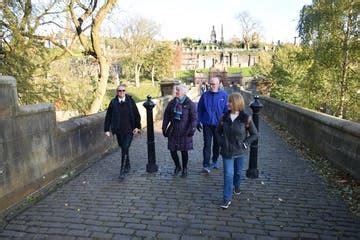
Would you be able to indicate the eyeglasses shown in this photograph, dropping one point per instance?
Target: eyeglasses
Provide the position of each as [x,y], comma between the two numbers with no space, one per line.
[121,90]
[212,84]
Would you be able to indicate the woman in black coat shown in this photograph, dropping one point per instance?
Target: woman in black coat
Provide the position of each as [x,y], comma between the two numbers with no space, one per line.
[236,131]
[179,125]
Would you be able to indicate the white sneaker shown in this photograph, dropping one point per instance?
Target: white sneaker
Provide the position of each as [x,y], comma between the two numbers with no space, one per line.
[205,170]
[225,204]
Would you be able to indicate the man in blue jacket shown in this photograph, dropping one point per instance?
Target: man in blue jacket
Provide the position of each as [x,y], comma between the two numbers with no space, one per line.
[212,105]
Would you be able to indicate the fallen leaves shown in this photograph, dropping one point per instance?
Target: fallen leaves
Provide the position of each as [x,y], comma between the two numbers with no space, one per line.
[336,179]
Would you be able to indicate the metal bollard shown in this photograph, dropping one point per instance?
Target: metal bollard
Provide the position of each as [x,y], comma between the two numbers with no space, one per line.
[151,166]
[253,172]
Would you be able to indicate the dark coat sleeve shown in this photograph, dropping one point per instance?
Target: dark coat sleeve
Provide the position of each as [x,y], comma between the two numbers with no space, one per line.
[193,119]
[253,133]
[108,116]
[219,130]
[200,108]
[167,116]
[136,114]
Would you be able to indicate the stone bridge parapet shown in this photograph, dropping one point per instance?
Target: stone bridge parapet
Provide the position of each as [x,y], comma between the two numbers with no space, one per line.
[35,149]
[335,139]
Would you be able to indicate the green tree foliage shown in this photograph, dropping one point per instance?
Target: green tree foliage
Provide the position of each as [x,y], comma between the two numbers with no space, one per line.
[287,74]
[158,64]
[329,29]
[190,42]
[264,64]
[323,72]
[24,54]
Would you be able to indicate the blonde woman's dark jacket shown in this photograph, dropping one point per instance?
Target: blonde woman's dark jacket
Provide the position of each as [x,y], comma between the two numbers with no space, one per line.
[235,137]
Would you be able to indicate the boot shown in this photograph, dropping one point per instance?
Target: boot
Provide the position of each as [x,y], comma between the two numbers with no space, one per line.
[122,173]
[184,163]
[175,158]
[177,170]
[127,164]
[184,173]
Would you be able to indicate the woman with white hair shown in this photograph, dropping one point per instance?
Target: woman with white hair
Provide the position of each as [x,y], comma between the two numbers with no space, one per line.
[179,125]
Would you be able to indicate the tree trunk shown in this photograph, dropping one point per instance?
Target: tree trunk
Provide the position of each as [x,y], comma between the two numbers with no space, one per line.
[100,56]
[153,75]
[345,67]
[137,74]
[101,86]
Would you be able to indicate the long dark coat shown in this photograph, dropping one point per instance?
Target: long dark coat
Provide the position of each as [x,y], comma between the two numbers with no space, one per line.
[181,138]
[112,117]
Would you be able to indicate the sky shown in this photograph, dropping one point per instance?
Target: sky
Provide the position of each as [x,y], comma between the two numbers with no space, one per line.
[195,18]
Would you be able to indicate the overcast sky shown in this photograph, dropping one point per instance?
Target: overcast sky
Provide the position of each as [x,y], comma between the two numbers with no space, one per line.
[195,18]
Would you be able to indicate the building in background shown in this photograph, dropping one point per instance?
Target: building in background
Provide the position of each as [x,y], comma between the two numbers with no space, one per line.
[214,54]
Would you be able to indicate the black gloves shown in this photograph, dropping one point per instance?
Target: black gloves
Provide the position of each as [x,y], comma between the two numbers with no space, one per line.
[199,127]
[191,133]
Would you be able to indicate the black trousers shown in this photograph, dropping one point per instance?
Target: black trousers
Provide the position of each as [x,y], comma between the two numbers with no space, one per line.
[124,141]
[184,158]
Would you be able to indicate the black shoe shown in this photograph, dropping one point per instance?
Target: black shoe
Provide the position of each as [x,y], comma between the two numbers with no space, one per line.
[127,164]
[184,173]
[122,175]
[236,191]
[177,170]
[225,204]
[127,168]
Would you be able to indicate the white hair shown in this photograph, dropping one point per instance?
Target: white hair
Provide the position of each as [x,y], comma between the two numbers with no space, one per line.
[182,87]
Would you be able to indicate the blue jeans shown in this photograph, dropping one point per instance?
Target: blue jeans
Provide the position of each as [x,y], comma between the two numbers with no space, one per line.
[209,136]
[232,174]
[124,141]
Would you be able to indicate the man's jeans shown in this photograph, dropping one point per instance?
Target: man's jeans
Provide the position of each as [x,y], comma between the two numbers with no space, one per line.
[124,142]
[232,174]
[209,135]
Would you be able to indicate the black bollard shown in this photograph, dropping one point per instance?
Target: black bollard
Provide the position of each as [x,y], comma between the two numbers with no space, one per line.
[253,172]
[151,166]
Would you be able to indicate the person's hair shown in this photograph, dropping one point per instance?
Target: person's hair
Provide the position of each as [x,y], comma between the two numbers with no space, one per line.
[236,102]
[121,85]
[182,87]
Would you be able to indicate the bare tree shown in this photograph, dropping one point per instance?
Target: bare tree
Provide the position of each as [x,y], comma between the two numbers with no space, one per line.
[138,39]
[90,16]
[249,26]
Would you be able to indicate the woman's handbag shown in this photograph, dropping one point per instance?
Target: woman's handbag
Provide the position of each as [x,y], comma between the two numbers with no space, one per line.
[169,130]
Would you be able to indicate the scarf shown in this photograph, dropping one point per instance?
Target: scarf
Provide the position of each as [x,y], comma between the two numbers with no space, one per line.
[178,107]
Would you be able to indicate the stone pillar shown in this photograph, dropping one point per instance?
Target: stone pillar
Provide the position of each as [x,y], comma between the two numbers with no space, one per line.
[8,96]
[168,87]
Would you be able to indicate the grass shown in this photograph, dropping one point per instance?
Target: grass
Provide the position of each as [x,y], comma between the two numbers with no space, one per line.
[246,71]
[202,70]
[138,94]
[184,74]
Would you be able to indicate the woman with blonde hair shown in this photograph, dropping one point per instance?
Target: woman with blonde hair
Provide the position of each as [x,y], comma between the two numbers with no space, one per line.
[236,131]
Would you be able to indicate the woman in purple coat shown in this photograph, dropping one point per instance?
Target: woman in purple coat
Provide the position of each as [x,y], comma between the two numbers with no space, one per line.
[179,125]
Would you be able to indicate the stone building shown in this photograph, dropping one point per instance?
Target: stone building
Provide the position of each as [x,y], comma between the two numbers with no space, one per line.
[214,54]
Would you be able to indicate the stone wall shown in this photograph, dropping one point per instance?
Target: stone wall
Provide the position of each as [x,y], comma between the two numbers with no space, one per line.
[336,139]
[35,149]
